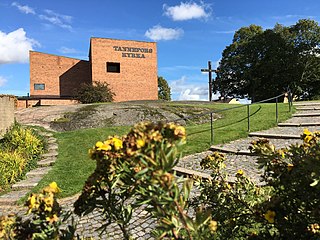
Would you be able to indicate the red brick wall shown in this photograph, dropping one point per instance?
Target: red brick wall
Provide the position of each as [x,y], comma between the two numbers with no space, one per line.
[61,75]
[137,79]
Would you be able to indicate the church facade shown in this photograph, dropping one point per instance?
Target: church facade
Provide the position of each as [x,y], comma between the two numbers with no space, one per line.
[129,67]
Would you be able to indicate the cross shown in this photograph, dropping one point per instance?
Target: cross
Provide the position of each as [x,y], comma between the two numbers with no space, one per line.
[210,71]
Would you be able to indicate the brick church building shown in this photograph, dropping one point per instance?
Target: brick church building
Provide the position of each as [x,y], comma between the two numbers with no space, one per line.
[129,67]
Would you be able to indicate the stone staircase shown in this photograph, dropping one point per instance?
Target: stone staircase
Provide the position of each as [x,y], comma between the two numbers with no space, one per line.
[23,187]
[237,152]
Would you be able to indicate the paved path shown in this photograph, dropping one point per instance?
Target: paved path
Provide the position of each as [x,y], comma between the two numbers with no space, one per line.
[142,224]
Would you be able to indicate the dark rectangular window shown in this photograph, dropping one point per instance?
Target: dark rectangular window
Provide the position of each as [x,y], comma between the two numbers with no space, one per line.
[39,86]
[113,67]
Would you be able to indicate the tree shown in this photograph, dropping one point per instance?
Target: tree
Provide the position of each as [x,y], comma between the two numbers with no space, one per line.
[164,91]
[92,93]
[260,64]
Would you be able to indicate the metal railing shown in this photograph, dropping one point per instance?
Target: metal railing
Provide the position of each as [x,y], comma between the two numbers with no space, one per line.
[287,94]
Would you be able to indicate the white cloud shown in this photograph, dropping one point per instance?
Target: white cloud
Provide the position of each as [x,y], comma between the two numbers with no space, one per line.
[2,81]
[187,11]
[57,19]
[15,46]
[187,91]
[157,33]
[24,9]
[66,50]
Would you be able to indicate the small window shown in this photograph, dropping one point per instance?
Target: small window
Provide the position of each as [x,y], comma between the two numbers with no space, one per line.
[39,86]
[113,67]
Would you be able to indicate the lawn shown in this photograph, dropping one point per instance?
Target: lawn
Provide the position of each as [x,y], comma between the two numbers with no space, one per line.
[73,166]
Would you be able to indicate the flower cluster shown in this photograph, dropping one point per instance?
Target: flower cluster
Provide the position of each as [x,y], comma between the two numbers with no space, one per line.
[44,204]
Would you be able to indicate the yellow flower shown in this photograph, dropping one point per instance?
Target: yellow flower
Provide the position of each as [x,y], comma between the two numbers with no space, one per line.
[49,200]
[52,219]
[290,167]
[117,143]
[140,143]
[52,188]
[307,132]
[99,144]
[240,172]
[213,226]
[269,216]
[180,132]
[33,204]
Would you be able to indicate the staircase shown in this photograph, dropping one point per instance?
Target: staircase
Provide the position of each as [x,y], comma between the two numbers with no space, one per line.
[237,153]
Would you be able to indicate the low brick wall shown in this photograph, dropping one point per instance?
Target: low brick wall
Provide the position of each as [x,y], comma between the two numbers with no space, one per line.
[23,103]
[7,106]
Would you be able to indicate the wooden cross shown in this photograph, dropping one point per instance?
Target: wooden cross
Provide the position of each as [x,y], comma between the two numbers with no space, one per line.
[210,71]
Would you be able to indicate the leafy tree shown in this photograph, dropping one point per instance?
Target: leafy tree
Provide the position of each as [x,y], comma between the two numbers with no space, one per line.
[92,93]
[164,91]
[259,64]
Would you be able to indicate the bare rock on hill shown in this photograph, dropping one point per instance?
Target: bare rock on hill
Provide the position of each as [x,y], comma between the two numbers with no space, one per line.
[67,118]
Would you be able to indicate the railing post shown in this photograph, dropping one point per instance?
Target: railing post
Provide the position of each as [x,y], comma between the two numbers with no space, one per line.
[248,113]
[277,110]
[211,121]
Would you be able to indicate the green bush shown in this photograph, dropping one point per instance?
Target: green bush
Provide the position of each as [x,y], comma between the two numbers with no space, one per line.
[12,165]
[93,93]
[20,149]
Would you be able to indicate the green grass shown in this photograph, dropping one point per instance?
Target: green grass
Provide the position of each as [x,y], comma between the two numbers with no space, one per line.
[73,166]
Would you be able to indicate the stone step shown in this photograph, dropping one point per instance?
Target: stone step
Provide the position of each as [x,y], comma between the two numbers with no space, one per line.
[190,172]
[46,162]
[52,140]
[230,150]
[12,198]
[51,153]
[28,183]
[41,171]
[53,146]
[307,108]
[274,135]
[306,104]
[303,124]
[306,114]
[46,134]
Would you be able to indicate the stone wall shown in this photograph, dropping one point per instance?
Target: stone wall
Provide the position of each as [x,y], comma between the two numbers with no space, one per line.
[7,105]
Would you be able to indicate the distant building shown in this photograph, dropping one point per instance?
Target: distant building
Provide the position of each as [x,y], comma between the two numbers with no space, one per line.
[129,67]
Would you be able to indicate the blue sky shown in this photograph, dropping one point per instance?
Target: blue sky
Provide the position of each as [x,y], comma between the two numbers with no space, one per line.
[188,33]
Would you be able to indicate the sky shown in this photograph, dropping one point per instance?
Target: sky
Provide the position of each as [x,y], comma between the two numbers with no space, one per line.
[188,33]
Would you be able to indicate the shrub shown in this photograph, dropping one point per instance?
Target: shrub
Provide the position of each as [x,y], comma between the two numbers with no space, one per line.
[20,149]
[93,93]
[12,166]
[44,221]
[136,170]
